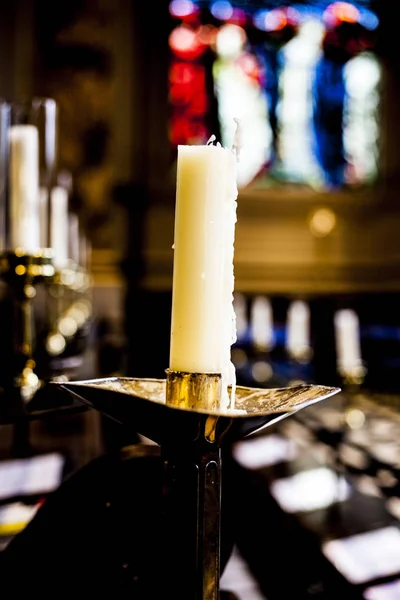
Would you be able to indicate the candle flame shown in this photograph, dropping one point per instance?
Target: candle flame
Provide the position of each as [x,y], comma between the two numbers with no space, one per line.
[211,141]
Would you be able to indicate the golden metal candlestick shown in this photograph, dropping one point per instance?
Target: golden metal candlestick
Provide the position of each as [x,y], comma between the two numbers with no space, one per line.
[191,437]
[22,272]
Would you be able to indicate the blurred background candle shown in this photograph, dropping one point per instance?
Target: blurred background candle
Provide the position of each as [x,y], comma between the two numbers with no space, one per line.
[73,241]
[24,188]
[60,226]
[298,330]
[4,156]
[347,336]
[262,323]
[203,319]
[43,216]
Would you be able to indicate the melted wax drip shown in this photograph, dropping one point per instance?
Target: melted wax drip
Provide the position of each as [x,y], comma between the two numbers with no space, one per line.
[229,371]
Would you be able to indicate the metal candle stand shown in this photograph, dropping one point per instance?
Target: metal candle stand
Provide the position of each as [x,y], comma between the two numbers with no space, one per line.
[22,273]
[181,414]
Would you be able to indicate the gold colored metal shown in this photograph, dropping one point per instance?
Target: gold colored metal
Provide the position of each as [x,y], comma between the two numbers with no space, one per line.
[22,272]
[68,308]
[248,400]
[210,429]
[194,390]
[28,382]
[18,265]
[353,377]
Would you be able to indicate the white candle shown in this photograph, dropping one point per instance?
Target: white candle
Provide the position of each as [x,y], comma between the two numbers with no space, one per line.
[262,325]
[59,226]
[43,217]
[24,188]
[74,238]
[347,335]
[203,319]
[298,329]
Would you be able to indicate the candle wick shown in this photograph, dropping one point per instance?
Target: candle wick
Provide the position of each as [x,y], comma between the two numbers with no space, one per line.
[237,140]
[212,140]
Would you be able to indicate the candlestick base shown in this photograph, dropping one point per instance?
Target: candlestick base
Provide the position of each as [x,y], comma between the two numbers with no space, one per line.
[191,439]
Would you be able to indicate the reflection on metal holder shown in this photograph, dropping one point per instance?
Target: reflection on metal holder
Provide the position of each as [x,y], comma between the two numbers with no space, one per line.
[191,390]
[191,437]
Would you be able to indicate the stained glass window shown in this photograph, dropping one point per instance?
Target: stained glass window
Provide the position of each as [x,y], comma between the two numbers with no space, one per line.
[303,79]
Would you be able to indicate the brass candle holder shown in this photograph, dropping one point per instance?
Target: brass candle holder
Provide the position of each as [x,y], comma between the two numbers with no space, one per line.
[22,272]
[68,310]
[181,415]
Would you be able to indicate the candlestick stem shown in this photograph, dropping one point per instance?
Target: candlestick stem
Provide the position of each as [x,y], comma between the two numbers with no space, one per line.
[192,492]
[192,514]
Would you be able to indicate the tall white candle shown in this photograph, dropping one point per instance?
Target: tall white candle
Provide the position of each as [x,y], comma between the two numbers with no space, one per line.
[24,188]
[347,336]
[59,226]
[203,319]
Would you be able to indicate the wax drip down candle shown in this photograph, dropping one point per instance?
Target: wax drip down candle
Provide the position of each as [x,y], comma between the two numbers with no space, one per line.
[203,326]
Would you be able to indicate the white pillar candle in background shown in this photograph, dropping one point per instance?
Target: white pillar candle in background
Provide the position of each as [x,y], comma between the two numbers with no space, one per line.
[298,328]
[59,226]
[347,337]
[24,188]
[262,324]
[43,217]
[73,251]
[85,252]
[203,319]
